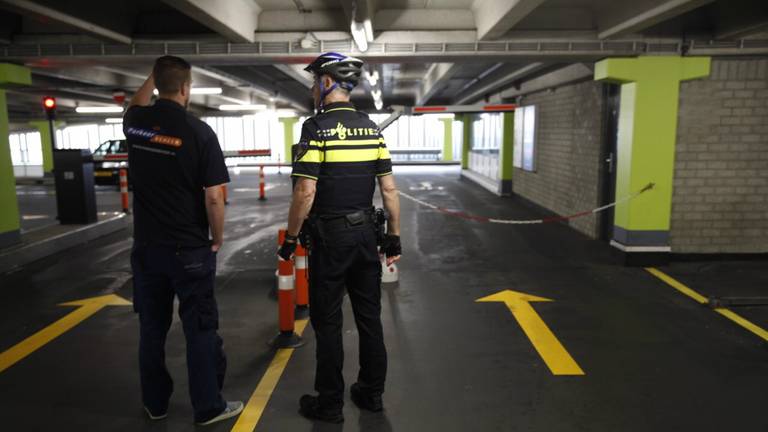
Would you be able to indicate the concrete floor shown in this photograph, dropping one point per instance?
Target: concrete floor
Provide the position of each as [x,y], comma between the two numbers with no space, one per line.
[37,204]
[653,358]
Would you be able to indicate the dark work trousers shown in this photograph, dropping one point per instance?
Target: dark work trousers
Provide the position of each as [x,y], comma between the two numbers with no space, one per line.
[159,273]
[346,258]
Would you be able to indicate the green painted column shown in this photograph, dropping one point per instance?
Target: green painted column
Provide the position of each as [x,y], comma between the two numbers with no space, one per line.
[46,142]
[288,123]
[447,139]
[10,74]
[506,153]
[650,89]
[466,141]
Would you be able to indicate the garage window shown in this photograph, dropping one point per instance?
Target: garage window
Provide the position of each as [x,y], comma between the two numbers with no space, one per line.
[525,138]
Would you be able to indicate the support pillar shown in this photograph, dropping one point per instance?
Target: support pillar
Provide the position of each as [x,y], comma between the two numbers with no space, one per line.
[46,142]
[650,89]
[289,141]
[10,226]
[447,139]
[466,141]
[506,154]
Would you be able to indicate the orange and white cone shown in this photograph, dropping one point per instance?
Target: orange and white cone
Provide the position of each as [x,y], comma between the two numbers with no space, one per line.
[262,194]
[124,190]
[302,282]
[287,337]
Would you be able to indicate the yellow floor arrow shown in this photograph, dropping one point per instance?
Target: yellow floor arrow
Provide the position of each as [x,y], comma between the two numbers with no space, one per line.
[550,349]
[87,308]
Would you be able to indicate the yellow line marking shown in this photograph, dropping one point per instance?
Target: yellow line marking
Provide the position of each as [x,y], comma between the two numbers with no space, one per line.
[258,402]
[733,316]
[544,341]
[33,343]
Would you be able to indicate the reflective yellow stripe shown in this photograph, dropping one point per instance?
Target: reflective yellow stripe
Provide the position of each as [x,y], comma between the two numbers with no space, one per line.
[304,175]
[339,109]
[315,156]
[384,174]
[384,153]
[357,155]
[316,143]
[353,142]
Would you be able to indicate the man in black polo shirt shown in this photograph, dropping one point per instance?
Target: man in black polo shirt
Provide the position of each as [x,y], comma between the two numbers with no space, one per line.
[177,171]
[341,155]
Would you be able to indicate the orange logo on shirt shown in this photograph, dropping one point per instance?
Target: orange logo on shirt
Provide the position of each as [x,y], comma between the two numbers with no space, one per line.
[166,140]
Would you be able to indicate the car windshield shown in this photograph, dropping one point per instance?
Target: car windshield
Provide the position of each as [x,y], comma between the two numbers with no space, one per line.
[111,147]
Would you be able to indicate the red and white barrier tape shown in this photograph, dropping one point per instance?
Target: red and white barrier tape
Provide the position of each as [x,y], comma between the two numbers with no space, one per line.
[551,219]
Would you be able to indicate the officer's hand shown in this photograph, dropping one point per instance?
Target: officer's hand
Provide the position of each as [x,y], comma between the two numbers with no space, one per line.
[286,250]
[391,248]
[215,247]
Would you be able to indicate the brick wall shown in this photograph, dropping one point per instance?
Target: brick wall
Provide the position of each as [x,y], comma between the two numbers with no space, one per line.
[569,134]
[720,198]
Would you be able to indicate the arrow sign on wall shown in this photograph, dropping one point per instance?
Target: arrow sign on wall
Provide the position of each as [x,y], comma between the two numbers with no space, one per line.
[550,349]
[87,307]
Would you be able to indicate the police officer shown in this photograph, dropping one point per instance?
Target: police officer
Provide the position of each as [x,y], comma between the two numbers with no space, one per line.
[339,157]
[177,171]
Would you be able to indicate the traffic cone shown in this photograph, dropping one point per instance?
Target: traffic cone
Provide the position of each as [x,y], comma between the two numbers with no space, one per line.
[287,337]
[124,190]
[262,194]
[302,282]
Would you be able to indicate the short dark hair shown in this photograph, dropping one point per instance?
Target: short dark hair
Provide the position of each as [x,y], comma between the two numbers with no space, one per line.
[171,73]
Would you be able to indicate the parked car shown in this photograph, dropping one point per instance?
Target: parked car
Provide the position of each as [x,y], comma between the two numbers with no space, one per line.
[108,159]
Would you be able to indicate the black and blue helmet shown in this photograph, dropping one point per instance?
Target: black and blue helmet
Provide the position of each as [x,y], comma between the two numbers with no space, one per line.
[345,70]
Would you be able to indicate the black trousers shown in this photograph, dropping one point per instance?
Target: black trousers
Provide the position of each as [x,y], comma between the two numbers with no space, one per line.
[346,258]
[159,273]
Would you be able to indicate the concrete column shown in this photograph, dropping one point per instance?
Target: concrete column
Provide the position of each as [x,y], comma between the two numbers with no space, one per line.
[506,152]
[466,141]
[289,140]
[650,88]
[46,142]
[9,206]
[447,139]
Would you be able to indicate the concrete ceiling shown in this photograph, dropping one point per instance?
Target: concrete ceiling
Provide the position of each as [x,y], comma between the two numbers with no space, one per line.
[426,51]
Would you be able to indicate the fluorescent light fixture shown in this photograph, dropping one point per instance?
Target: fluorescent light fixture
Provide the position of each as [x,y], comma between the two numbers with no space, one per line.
[206,90]
[372,78]
[286,113]
[243,107]
[199,91]
[368,28]
[378,103]
[114,120]
[98,109]
[376,94]
[358,35]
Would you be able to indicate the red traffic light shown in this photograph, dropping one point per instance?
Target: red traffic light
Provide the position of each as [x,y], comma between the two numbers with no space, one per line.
[49,103]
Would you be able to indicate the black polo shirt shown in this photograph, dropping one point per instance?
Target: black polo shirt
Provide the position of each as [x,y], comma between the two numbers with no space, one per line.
[344,151]
[172,157]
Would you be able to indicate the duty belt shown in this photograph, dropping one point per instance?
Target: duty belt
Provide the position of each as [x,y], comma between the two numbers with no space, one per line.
[337,222]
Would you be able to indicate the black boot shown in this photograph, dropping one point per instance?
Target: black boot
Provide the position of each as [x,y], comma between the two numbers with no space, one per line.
[309,407]
[365,400]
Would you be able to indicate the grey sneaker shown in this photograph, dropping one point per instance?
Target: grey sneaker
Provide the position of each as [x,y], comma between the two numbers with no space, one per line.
[155,417]
[232,410]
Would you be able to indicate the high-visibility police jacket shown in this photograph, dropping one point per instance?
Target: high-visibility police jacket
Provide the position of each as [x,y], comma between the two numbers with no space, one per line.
[345,152]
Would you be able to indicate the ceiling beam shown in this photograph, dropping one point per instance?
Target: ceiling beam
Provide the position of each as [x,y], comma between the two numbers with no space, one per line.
[434,80]
[296,72]
[567,75]
[260,90]
[496,83]
[631,20]
[36,10]
[741,32]
[236,20]
[493,18]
